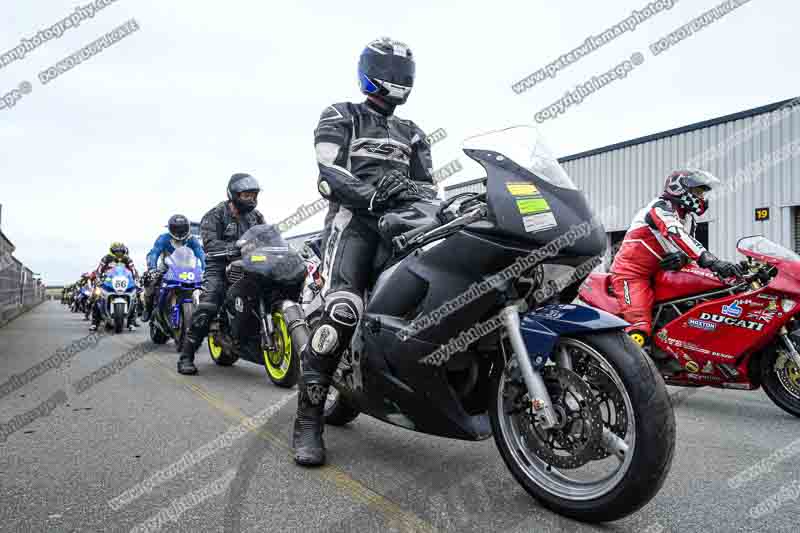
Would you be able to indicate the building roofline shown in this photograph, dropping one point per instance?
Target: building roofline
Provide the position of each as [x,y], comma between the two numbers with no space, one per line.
[660,135]
[683,129]
[465,183]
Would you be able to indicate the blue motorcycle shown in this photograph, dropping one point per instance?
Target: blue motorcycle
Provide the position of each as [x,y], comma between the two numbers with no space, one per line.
[116,301]
[177,298]
[79,304]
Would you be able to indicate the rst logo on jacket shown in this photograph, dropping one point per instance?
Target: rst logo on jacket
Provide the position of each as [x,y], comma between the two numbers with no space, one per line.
[746,324]
[382,149]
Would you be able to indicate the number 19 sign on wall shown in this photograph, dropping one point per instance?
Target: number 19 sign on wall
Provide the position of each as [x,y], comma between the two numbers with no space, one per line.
[762,214]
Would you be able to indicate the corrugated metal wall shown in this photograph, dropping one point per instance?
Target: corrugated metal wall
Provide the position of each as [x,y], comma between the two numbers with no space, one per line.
[629,177]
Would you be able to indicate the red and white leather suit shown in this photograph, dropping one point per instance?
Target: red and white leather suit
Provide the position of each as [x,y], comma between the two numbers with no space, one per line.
[662,227]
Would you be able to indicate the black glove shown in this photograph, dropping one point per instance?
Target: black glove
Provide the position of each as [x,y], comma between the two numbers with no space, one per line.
[674,261]
[390,186]
[233,250]
[724,269]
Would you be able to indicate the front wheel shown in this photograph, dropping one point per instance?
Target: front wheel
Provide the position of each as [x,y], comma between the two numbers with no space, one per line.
[282,364]
[187,311]
[780,378]
[612,394]
[119,317]
[156,335]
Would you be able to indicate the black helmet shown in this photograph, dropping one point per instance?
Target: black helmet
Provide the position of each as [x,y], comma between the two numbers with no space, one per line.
[179,228]
[386,70]
[682,186]
[238,184]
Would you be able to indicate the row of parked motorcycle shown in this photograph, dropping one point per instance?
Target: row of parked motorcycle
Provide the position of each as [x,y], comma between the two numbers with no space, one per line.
[114,300]
[579,412]
[251,325]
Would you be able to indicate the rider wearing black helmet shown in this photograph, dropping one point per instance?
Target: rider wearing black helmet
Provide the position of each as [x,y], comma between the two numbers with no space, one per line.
[178,234]
[220,228]
[369,160]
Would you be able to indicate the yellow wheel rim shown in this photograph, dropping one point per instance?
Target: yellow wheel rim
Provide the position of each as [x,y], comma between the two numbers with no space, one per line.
[638,338]
[214,348]
[279,361]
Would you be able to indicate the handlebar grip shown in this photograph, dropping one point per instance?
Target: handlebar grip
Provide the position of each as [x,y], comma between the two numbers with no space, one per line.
[401,241]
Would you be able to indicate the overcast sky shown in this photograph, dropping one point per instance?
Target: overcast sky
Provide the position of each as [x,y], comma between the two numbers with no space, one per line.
[156,124]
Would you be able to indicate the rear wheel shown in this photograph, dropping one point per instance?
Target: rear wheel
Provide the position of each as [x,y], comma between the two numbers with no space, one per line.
[282,364]
[337,411]
[218,353]
[780,378]
[612,393]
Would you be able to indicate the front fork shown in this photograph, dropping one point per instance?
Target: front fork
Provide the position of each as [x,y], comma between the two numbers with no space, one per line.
[793,354]
[267,327]
[541,403]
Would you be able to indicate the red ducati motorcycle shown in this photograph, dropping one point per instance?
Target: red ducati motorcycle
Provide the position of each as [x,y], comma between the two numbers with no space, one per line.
[739,335]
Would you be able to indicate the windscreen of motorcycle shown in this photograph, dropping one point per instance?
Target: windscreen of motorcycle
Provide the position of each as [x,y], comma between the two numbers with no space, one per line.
[265,253]
[530,197]
[182,257]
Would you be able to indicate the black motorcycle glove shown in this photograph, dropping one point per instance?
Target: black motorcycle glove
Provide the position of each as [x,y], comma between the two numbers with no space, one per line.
[724,269]
[674,261]
[391,185]
[233,251]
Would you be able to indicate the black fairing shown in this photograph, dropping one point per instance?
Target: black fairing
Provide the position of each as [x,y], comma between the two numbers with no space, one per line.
[269,270]
[569,207]
[395,386]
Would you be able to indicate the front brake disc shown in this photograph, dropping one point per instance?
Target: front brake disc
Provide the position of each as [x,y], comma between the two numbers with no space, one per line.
[578,435]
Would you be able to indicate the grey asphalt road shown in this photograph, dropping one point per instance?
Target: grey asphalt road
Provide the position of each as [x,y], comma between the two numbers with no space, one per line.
[63,471]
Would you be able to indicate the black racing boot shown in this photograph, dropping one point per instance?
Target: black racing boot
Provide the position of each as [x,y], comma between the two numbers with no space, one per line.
[186,361]
[309,448]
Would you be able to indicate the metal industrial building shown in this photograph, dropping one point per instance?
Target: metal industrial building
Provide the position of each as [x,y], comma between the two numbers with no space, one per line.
[753,152]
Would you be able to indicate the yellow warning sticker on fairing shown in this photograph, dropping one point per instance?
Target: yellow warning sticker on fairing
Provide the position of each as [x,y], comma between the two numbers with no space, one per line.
[521,188]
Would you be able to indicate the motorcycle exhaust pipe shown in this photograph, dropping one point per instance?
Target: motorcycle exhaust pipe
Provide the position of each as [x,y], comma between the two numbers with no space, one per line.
[296,324]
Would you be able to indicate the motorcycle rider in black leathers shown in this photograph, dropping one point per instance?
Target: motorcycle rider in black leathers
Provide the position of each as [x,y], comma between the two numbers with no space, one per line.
[220,228]
[369,161]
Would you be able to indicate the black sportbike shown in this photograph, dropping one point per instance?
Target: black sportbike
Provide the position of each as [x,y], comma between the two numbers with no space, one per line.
[579,413]
[255,323]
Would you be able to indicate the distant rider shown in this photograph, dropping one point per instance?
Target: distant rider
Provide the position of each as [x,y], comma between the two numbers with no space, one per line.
[220,228]
[118,253]
[661,236]
[178,234]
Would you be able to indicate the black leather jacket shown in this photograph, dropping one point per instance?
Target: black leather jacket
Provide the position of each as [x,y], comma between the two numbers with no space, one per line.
[220,229]
[357,144]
